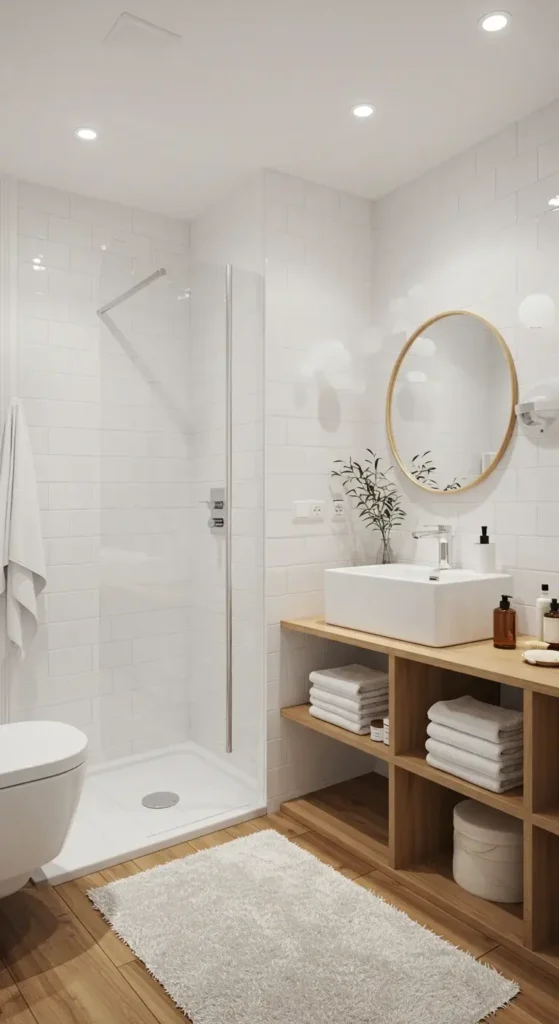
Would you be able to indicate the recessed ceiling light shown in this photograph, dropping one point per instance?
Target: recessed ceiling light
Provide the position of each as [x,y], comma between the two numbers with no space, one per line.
[363,110]
[554,201]
[88,134]
[495,22]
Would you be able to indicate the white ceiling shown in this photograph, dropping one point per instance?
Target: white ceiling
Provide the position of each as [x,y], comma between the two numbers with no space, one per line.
[256,83]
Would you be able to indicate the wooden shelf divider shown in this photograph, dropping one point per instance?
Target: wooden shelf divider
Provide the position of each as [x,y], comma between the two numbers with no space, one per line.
[300,714]
[404,824]
[511,802]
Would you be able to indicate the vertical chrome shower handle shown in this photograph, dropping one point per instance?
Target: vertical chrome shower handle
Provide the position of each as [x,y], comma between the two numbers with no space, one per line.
[228,505]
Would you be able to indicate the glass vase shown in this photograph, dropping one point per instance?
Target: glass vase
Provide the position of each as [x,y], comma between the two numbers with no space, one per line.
[385,554]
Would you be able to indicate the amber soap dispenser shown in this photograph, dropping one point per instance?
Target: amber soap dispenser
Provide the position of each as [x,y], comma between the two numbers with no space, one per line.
[551,625]
[504,625]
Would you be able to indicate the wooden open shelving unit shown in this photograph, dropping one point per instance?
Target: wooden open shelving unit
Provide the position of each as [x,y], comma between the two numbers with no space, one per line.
[403,824]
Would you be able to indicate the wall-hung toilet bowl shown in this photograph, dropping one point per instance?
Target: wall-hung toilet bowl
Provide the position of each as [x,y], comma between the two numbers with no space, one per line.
[42,768]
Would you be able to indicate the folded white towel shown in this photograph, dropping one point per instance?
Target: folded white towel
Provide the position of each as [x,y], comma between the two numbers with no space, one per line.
[22,570]
[349,703]
[325,716]
[495,785]
[359,718]
[485,748]
[350,680]
[505,769]
[488,721]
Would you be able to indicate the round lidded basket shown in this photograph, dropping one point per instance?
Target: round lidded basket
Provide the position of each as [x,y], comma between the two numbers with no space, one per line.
[487,852]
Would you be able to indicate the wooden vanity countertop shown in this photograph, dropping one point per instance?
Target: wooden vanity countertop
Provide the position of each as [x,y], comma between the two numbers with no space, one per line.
[479,659]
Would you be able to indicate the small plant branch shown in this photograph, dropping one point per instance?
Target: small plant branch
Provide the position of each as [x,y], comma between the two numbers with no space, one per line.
[423,469]
[376,497]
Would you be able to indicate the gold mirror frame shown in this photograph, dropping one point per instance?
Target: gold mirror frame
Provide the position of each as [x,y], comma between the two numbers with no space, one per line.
[390,395]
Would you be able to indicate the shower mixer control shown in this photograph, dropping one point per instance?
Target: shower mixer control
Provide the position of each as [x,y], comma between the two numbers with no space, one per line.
[216,504]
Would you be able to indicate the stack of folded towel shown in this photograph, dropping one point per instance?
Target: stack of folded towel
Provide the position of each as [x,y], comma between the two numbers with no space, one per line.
[351,696]
[478,742]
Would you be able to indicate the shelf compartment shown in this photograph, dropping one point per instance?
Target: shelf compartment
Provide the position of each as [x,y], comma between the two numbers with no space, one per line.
[353,814]
[422,830]
[541,728]
[300,714]
[434,880]
[415,687]
[511,802]
[541,857]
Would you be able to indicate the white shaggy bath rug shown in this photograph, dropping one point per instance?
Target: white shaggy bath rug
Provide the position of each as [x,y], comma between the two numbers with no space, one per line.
[258,931]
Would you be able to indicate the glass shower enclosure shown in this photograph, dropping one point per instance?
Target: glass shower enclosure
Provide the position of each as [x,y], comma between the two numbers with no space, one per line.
[178,744]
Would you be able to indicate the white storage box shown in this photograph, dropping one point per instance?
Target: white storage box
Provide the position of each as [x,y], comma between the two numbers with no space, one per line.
[487,852]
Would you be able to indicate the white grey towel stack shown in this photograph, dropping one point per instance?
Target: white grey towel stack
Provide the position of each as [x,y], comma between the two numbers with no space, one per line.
[481,743]
[350,696]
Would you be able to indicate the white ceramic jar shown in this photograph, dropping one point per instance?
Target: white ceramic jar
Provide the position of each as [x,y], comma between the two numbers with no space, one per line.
[487,852]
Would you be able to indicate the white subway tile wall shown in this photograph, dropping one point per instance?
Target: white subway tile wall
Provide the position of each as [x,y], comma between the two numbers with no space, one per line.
[319,407]
[128,435]
[347,280]
[433,256]
[109,427]
[476,233]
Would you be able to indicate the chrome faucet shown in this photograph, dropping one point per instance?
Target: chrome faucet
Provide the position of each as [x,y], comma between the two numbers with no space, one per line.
[443,535]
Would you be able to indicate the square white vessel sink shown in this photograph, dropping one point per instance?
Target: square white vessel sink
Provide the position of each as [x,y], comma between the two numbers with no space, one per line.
[401,601]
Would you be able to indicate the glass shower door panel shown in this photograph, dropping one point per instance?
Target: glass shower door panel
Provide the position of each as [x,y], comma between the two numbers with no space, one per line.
[145,502]
[208,544]
[228,681]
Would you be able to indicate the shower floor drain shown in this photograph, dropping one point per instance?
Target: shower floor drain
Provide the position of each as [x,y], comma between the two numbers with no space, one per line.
[159,801]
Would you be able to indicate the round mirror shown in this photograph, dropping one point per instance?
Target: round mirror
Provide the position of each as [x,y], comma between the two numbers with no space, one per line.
[450,404]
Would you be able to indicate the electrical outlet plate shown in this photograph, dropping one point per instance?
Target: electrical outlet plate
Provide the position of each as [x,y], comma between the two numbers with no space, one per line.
[339,510]
[308,510]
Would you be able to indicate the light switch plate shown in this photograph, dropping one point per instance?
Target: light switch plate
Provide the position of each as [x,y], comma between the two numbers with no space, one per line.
[301,509]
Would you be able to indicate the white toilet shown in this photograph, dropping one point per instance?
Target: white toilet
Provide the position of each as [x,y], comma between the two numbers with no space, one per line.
[42,768]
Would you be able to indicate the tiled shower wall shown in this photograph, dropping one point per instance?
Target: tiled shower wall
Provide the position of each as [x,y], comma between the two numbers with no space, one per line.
[111,463]
[128,437]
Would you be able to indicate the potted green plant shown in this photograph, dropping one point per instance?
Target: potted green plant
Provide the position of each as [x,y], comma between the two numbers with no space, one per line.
[377,498]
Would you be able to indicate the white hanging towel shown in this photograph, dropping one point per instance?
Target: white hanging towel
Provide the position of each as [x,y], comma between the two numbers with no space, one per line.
[23,575]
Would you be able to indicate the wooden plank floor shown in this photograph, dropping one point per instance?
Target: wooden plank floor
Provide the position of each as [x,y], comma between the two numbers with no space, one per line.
[61,964]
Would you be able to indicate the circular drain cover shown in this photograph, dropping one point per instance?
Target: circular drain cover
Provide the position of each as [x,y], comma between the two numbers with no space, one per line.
[159,801]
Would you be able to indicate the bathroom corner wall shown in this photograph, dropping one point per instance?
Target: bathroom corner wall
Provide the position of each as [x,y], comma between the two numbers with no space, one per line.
[477,233]
[315,247]
[319,274]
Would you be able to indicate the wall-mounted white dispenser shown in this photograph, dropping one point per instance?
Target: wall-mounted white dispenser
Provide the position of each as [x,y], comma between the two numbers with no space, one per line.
[538,411]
